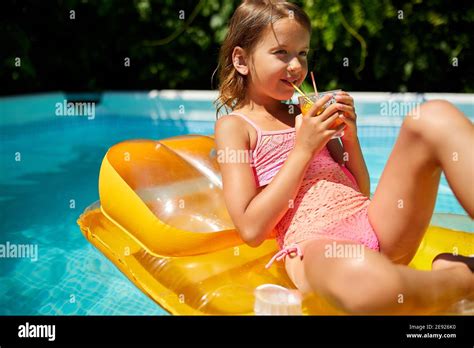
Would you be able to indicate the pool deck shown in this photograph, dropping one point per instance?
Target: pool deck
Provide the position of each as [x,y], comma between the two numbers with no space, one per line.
[156,104]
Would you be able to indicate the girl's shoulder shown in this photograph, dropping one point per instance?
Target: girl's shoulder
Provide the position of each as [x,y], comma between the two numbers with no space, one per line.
[229,128]
[230,122]
[249,124]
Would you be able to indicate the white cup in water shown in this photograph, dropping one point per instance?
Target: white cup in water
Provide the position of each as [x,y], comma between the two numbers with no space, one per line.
[271,299]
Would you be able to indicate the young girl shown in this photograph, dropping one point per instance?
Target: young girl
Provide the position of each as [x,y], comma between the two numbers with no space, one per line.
[313,191]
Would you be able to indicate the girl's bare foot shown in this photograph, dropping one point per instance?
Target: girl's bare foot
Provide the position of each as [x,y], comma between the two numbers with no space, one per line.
[459,263]
[446,260]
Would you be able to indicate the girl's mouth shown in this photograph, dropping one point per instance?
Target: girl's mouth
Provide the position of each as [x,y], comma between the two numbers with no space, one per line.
[288,83]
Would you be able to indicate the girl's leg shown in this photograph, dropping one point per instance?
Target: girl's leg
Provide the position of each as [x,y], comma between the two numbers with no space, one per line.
[438,137]
[369,283]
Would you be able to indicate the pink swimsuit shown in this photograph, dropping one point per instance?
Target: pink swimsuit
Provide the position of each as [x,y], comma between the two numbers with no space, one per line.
[329,204]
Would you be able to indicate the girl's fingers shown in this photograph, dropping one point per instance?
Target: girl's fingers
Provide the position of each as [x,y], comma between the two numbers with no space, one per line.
[351,115]
[346,99]
[328,121]
[342,92]
[335,108]
[346,108]
[344,118]
[318,105]
[348,111]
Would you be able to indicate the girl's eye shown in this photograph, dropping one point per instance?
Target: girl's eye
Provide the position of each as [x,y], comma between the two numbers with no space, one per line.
[302,53]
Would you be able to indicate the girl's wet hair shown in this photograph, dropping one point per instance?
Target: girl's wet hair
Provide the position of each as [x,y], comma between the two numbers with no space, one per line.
[246,26]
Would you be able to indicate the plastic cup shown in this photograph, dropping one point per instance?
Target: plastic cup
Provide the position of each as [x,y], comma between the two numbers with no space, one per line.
[271,299]
[306,104]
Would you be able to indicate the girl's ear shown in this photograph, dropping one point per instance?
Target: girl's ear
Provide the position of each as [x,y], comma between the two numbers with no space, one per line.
[239,60]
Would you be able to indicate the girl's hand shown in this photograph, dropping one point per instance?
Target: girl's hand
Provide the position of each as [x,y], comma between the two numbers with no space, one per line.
[349,115]
[312,133]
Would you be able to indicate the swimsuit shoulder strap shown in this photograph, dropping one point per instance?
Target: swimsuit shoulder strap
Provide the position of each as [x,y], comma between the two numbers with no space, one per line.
[254,125]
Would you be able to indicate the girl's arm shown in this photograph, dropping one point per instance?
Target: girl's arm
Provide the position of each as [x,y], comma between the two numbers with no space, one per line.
[254,214]
[350,142]
[356,164]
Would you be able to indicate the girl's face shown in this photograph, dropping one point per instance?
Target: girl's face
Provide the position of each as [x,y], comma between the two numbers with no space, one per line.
[278,59]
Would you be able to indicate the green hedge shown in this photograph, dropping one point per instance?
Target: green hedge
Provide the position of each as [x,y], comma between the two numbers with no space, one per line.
[363,45]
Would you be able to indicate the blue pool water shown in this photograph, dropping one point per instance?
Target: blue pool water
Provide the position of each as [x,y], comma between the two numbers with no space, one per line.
[49,170]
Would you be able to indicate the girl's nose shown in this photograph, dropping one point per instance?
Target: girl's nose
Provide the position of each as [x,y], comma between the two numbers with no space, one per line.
[294,65]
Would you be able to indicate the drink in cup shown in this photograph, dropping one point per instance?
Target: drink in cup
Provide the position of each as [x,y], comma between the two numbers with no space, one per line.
[306,104]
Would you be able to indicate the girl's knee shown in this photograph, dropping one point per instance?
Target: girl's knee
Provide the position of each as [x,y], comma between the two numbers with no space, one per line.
[437,104]
[360,286]
[430,119]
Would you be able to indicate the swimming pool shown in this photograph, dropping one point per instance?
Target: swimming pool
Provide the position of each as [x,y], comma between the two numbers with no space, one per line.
[49,167]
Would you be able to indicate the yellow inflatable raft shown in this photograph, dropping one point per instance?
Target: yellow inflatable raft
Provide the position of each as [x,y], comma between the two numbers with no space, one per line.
[162,221]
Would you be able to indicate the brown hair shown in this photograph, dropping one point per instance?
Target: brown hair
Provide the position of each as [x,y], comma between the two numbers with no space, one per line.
[246,26]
